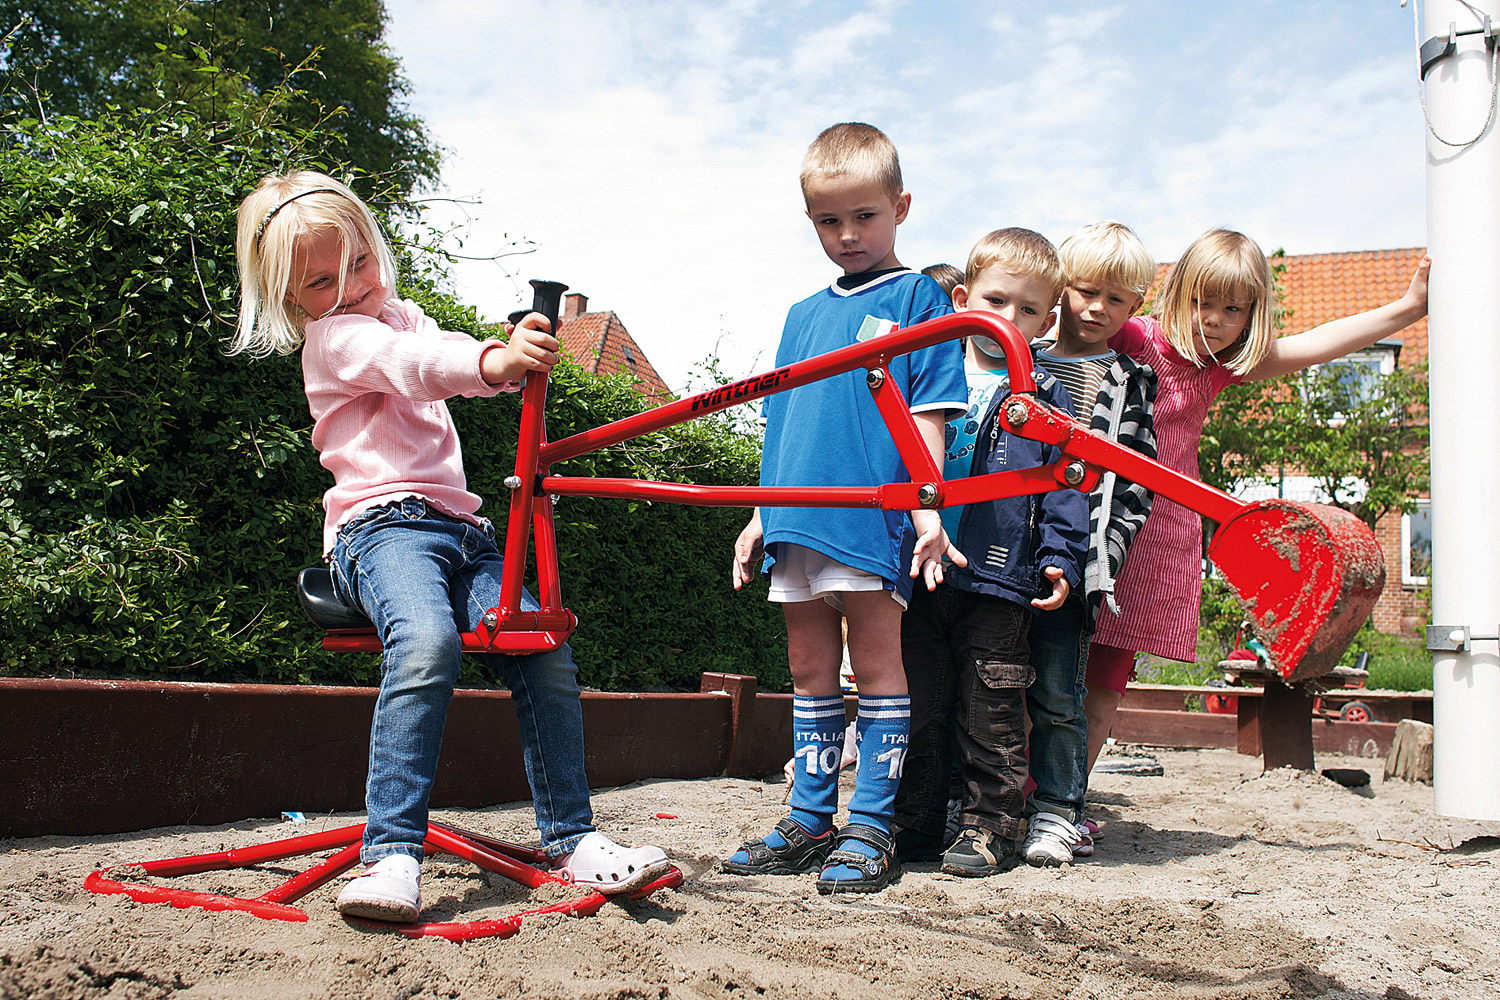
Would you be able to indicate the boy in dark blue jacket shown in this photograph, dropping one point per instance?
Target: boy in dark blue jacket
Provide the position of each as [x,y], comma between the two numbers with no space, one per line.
[965,644]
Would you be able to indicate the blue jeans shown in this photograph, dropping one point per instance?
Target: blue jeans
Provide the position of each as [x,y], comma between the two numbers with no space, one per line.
[423,577]
[1059,729]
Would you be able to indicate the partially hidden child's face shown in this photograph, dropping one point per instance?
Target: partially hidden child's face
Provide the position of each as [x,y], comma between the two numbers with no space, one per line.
[1218,322]
[1091,312]
[1024,299]
[856,222]
[317,259]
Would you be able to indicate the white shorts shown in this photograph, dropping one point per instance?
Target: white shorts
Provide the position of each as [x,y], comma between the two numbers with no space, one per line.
[803,574]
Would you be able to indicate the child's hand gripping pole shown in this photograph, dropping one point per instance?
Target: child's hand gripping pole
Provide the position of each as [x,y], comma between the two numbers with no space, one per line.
[526,506]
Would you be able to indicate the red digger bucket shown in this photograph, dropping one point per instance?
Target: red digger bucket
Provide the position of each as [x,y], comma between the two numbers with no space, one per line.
[1307,575]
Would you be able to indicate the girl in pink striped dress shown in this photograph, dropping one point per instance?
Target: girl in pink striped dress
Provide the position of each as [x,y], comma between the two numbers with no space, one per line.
[1212,328]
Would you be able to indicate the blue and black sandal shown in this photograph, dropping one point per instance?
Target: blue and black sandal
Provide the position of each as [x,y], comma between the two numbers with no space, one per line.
[787,850]
[864,860]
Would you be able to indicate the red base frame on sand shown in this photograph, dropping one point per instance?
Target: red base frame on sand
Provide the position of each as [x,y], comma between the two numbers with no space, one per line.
[511,860]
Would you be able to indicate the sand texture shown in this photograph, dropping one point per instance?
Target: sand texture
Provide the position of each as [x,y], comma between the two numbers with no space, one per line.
[1211,880]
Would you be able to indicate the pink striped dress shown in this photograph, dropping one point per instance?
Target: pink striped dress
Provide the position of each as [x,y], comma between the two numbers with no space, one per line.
[1160,585]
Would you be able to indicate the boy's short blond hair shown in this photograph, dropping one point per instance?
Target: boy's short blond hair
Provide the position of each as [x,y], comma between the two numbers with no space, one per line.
[272,218]
[1107,252]
[855,150]
[1018,251]
[1220,264]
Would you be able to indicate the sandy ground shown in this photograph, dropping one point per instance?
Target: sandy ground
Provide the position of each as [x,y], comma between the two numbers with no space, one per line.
[1211,881]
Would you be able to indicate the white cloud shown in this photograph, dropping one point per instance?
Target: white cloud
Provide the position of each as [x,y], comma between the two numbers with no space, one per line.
[651,150]
[838,50]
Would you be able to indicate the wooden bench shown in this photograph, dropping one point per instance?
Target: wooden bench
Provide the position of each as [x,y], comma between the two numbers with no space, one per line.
[1282,716]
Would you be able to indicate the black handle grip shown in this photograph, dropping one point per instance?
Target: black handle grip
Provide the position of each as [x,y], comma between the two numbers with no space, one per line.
[547,298]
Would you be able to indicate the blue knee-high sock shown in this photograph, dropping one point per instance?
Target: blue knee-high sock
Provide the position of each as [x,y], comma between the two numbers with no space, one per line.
[818,747]
[882,728]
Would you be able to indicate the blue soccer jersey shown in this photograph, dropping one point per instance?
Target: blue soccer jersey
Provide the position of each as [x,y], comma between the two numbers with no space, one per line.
[829,433]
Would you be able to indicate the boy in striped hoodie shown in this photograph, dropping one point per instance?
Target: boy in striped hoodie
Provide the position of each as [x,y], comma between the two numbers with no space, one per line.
[1107,273]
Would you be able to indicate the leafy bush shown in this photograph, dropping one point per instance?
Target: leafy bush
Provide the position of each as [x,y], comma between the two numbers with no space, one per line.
[1397,662]
[1159,670]
[157,497]
[335,78]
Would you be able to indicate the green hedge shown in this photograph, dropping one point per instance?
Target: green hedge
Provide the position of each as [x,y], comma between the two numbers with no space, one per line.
[157,498]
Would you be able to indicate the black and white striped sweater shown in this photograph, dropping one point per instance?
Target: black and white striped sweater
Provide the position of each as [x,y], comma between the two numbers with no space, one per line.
[1117,506]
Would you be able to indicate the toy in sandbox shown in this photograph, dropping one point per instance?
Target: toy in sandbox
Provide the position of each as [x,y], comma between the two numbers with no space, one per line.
[1331,693]
[1275,719]
[1306,575]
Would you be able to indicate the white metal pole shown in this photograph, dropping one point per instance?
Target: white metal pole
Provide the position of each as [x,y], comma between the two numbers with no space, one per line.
[1463,236]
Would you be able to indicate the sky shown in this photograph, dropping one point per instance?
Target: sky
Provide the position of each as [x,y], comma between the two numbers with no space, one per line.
[646,153]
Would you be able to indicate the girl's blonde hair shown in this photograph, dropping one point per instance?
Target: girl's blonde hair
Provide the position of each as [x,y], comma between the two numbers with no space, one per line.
[1226,265]
[280,210]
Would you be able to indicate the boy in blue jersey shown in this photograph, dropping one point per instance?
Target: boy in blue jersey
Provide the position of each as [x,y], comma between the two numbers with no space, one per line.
[857,564]
[965,644]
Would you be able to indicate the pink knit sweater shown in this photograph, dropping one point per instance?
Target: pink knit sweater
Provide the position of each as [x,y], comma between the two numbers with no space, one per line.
[376,389]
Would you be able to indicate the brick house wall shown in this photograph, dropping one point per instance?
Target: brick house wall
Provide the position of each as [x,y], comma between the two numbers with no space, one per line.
[1402,608]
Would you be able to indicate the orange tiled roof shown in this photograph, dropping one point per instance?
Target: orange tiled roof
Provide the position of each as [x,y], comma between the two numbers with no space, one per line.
[599,342]
[1320,287]
[1325,286]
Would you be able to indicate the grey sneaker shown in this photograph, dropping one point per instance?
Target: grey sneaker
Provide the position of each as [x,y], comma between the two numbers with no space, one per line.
[1050,840]
[977,853]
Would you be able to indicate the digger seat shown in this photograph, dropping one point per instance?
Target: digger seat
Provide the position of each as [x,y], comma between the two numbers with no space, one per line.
[315,592]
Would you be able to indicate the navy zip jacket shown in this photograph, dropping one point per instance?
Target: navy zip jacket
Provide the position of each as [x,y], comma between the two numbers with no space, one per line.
[1009,541]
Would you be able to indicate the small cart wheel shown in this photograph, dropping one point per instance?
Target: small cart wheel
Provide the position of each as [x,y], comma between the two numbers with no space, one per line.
[1355,711]
[1221,704]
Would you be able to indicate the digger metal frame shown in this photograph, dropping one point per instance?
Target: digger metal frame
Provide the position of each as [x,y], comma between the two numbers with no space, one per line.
[1260,547]
[1280,535]
[508,629]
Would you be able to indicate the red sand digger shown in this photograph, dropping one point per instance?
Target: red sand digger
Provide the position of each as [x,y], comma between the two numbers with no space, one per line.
[1307,575]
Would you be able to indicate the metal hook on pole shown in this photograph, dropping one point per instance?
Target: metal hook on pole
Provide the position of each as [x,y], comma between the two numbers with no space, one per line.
[1440,47]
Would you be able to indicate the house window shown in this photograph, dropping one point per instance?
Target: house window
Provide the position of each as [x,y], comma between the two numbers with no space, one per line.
[1416,545]
[1359,374]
